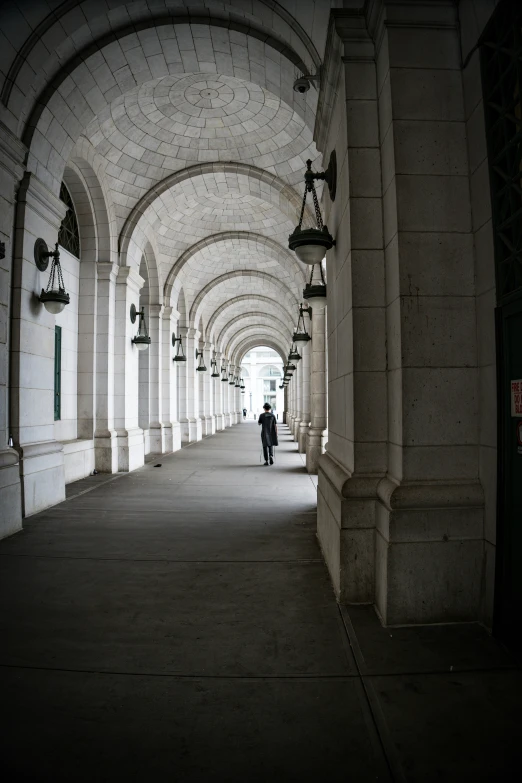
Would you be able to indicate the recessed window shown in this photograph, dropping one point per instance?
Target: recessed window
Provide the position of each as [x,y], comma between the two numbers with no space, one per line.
[69,234]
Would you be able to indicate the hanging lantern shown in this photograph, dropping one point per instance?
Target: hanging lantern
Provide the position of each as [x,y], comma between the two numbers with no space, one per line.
[294,355]
[242,384]
[281,386]
[180,354]
[55,297]
[232,380]
[224,378]
[311,244]
[315,290]
[201,366]
[215,373]
[300,334]
[142,339]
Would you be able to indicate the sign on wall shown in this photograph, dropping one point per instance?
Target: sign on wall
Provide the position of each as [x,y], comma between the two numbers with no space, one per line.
[516,398]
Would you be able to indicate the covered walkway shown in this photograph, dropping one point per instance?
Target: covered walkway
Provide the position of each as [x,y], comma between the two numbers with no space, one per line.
[178,623]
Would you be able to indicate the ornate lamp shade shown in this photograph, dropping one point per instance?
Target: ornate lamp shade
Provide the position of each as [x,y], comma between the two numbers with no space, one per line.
[55,297]
[180,354]
[201,366]
[142,339]
[300,334]
[213,364]
[315,290]
[224,377]
[294,355]
[311,244]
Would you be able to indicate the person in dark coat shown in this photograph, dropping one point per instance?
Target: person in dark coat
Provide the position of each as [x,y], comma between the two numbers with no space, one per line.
[268,423]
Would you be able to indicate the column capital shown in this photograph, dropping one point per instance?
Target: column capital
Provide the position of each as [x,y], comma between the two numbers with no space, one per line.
[128,276]
[107,270]
[156,310]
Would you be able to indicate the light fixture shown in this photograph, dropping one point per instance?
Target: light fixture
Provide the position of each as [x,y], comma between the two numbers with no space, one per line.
[311,244]
[242,383]
[224,378]
[232,380]
[213,365]
[180,354]
[55,297]
[282,386]
[142,339]
[315,290]
[201,366]
[300,334]
[237,384]
[294,355]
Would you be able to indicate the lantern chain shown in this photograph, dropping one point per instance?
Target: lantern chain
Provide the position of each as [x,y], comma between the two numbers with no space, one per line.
[56,272]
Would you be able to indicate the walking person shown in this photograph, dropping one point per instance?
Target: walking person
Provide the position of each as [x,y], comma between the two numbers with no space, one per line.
[268,423]
[244,413]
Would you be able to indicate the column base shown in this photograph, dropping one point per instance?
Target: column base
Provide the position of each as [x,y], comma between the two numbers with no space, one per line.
[220,424]
[131,449]
[10,493]
[210,425]
[302,437]
[297,424]
[430,552]
[190,431]
[160,438]
[43,476]
[176,436]
[106,451]
[314,448]
[346,509]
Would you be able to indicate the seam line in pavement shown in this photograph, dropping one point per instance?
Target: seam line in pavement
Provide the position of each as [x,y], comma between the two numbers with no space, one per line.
[304,561]
[180,676]
[379,720]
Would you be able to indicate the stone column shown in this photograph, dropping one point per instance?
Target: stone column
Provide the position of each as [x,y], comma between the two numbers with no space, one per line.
[169,412]
[130,443]
[429,542]
[210,419]
[105,436]
[299,397]
[218,395]
[317,429]
[12,154]
[201,388]
[39,214]
[305,398]
[159,437]
[190,421]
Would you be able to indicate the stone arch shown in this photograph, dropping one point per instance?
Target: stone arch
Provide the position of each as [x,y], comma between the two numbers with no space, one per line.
[254,342]
[301,52]
[66,106]
[246,237]
[248,299]
[230,276]
[257,330]
[287,194]
[235,322]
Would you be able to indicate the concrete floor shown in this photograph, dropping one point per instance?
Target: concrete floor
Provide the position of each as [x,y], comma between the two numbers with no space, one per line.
[177,623]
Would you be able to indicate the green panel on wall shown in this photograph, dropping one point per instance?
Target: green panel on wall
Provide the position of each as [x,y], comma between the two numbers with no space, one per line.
[57,372]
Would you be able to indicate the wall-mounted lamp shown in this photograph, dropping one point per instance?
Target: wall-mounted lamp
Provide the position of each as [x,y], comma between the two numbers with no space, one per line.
[311,244]
[213,364]
[315,290]
[142,339]
[201,366]
[55,297]
[224,376]
[180,353]
[242,384]
[294,355]
[300,334]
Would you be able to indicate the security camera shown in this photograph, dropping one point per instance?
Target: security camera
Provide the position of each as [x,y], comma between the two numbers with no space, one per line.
[301,85]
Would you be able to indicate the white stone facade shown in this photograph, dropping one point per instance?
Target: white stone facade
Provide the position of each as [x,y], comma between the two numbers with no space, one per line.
[183,145]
